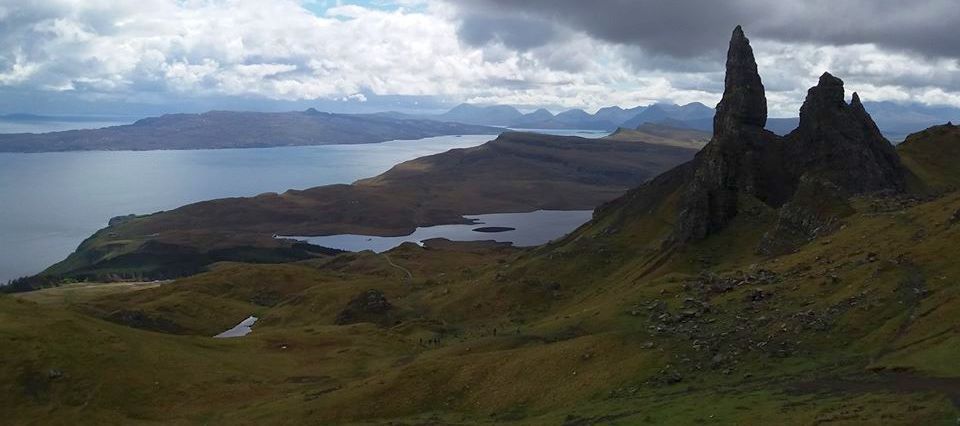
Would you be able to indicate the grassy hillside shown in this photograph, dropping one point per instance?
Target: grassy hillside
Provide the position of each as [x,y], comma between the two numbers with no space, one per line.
[931,156]
[663,134]
[855,327]
[832,332]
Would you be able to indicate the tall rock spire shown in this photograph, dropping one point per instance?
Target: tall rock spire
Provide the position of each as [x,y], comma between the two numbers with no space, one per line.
[744,103]
[837,149]
[731,162]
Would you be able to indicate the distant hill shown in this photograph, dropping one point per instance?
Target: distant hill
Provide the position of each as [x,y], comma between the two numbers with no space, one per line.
[663,112]
[570,119]
[898,120]
[663,135]
[228,129]
[618,115]
[538,119]
[607,118]
[895,120]
[577,119]
[497,115]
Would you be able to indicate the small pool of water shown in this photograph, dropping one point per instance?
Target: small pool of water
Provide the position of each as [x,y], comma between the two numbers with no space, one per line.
[527,229]
[583,133]
[239,330]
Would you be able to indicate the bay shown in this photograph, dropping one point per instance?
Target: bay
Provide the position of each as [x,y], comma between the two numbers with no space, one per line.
[50,202]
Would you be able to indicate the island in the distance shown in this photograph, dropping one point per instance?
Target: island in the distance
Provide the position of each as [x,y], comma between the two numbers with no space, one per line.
[238,129]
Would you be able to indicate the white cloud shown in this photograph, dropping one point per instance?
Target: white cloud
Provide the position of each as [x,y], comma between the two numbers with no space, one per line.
[281,50]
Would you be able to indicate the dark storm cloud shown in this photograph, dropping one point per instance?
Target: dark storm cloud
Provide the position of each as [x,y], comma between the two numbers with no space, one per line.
[520,33]
[690,28]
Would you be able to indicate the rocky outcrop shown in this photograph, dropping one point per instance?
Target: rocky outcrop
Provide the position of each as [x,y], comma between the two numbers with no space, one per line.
[816,209]
[738,156]
[369,306]
[840,142]
[144,321]
[836,146]
[119,220]
[744,102]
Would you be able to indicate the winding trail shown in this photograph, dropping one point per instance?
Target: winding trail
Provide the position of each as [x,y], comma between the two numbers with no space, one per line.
[405,270]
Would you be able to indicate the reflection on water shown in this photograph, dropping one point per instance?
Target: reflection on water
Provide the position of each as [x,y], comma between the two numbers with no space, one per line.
[530,229]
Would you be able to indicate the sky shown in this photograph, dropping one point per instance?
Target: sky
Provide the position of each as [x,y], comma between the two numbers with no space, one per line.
[142,57]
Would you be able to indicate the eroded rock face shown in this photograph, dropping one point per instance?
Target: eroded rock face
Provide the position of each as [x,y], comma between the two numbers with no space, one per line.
[369,306]
[816,209]
[738,155]
[841,143]
[837,145]
[744,102]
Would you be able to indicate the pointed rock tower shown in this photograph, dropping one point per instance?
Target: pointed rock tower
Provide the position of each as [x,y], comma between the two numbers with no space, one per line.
[837,147]
[744,102]
[737,155]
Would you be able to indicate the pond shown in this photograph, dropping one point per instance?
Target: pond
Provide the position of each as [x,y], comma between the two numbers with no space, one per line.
[520,229]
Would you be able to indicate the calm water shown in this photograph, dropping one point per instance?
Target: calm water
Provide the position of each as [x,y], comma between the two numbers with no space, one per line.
[590,134]
[52,201]
[531,229]
[239,330]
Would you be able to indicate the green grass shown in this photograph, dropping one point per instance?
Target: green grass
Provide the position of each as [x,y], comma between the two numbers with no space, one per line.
[931,156]
[856,327]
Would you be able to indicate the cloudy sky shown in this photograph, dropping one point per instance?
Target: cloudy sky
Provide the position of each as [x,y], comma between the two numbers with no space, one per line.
[152,56]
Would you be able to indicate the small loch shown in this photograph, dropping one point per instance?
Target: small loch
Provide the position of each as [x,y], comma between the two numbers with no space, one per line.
[239,330]
[520,229]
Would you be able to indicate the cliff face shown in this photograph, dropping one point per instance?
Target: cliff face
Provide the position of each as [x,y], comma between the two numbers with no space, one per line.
[841,143]
[739,157]
[744,102]
[836,146]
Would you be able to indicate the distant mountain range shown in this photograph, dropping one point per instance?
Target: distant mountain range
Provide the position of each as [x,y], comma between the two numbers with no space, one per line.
[229,129]
[608,118]
[895,120]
